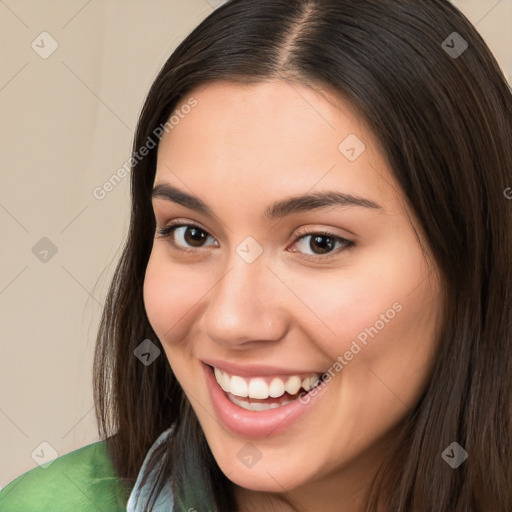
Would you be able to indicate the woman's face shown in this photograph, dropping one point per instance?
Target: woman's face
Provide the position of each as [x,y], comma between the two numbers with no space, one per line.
[241,293]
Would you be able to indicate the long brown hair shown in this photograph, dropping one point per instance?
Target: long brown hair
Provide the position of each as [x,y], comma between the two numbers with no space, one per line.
[442,113]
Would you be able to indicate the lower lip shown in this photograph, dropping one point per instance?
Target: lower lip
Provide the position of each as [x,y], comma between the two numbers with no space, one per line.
[255,424]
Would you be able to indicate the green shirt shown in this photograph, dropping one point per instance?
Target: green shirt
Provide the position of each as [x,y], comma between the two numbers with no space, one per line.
[81,481]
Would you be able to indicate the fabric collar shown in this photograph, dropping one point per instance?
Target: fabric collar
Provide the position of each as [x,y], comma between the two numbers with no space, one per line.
[139,495]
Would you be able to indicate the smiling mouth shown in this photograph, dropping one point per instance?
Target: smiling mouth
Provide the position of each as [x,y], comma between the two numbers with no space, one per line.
[264,393]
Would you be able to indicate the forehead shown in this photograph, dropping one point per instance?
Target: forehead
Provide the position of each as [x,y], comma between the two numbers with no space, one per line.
[278,137]
[270,112]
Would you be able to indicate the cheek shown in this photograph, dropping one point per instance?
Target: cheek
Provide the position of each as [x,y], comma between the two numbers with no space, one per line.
[170,294]
[159,297]
[380,309]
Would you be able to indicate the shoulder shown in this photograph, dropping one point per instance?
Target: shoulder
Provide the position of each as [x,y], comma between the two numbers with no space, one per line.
[82,480]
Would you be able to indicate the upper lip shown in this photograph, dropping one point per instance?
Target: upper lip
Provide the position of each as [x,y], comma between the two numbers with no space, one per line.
[254,369]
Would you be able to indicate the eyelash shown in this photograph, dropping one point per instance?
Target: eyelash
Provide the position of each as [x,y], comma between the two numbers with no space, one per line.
[168,230]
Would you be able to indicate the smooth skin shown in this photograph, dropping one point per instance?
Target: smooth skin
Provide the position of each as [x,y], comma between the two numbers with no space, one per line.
[300,304]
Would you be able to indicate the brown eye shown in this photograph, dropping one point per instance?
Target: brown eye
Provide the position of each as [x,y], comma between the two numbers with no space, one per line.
[321,243]
[194,236]
[324,243]
[185,236]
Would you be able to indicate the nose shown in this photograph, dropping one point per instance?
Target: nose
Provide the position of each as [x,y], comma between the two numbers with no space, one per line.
[245,305]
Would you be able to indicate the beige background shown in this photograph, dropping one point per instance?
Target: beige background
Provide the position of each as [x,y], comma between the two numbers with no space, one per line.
[66,126]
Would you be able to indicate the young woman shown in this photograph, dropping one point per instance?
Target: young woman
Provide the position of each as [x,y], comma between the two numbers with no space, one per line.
[313,309]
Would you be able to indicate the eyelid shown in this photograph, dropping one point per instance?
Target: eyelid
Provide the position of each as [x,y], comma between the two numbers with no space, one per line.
[183,221]
[304,231]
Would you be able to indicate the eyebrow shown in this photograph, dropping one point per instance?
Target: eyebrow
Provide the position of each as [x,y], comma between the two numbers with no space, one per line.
[295,204]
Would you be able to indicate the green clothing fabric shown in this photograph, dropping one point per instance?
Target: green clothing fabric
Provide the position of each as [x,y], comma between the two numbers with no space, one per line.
[81,481]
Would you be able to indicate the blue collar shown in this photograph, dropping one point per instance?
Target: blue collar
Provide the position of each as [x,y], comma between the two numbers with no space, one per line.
[139,495]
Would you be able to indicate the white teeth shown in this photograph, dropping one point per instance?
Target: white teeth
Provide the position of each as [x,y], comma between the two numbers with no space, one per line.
[293,385]
[223,379]
[276,388]
[255,406]
[238,386]
[260,388]
[310,382]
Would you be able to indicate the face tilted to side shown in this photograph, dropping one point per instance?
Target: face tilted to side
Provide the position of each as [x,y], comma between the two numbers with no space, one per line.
[352,297]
